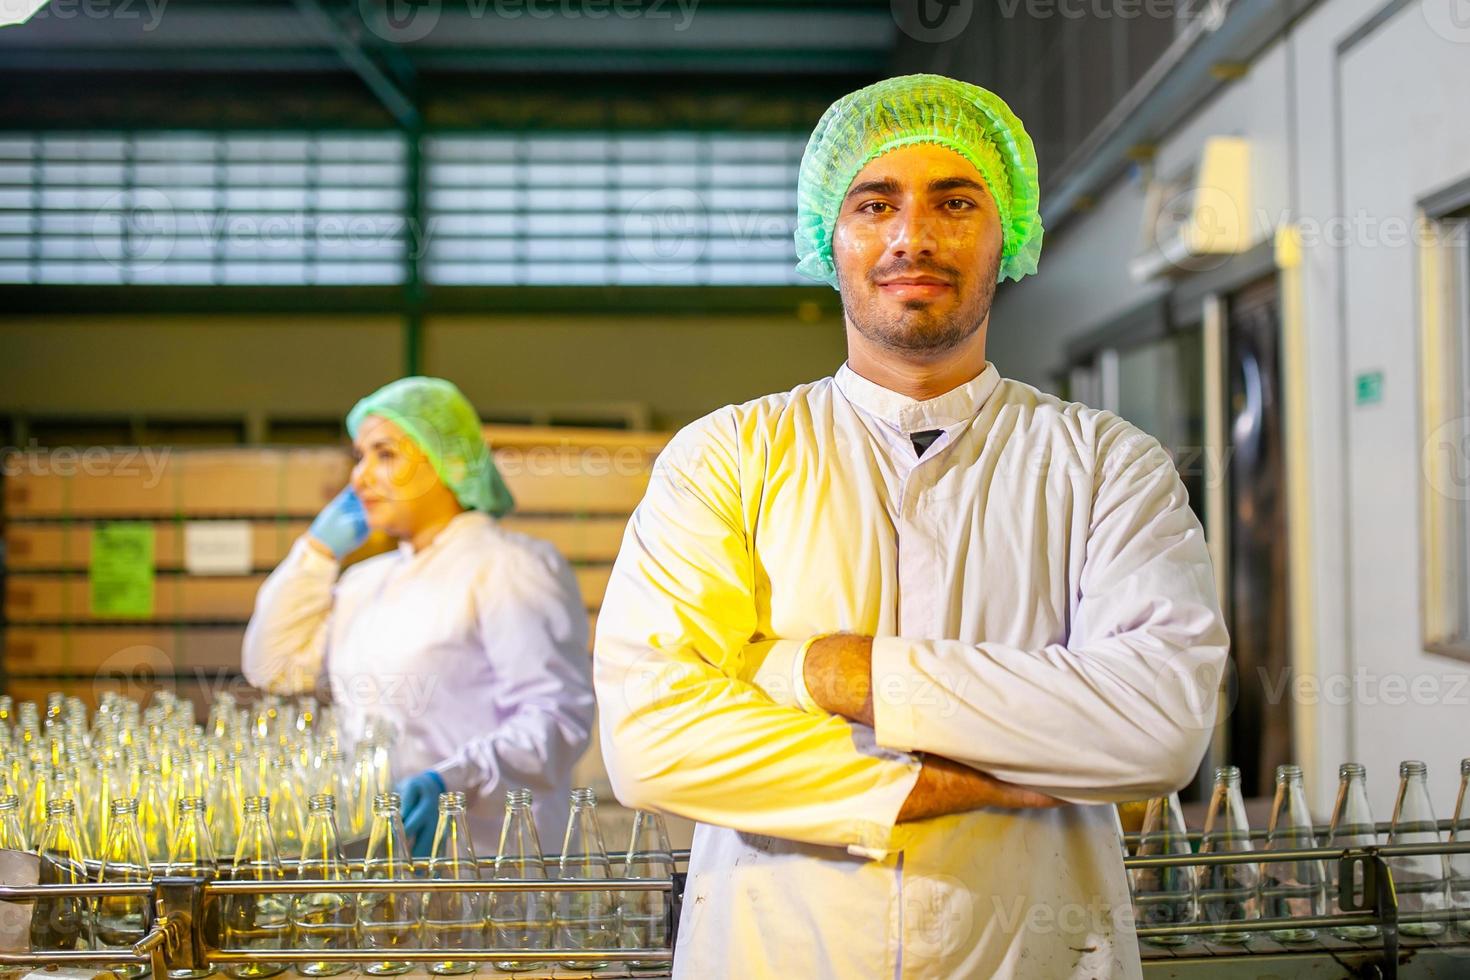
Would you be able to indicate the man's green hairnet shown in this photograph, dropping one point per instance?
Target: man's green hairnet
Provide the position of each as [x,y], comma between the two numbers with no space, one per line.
[895,112]
[442,422]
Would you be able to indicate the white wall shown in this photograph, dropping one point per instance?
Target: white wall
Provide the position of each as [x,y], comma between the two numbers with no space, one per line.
[1404,133]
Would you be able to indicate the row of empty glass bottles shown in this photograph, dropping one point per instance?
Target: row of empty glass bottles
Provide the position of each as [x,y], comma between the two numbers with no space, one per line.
[381,922]
[1229,893]
[286,751]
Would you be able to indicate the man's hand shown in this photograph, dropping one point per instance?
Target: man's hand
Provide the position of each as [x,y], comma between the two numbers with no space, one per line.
[838,673]
[946,787]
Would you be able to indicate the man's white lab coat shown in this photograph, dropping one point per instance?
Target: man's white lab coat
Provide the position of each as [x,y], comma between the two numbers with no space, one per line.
[475,647]
[1044,610]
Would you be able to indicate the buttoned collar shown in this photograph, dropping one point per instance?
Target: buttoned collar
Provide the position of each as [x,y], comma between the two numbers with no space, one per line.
[910,415]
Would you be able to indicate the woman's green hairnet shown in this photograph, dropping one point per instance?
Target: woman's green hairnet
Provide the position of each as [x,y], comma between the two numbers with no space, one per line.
[862,126]
[442,422]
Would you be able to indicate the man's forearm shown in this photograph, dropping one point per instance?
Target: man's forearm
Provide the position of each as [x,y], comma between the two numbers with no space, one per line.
[838,675]
[946,787]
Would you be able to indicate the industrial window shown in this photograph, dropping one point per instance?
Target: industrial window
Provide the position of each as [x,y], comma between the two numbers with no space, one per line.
[1445,406]
[196,208]
[301,209]
[612,209]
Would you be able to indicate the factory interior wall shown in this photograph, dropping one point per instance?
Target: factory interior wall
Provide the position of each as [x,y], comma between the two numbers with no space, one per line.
[1359,305]
[666,369]
[1404,135]
[681,366]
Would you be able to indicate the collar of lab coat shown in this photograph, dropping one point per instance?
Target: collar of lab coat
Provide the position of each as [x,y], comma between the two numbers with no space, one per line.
[458,524]
[910,415]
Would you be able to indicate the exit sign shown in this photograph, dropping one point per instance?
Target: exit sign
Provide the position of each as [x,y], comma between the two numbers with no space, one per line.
[1369,387]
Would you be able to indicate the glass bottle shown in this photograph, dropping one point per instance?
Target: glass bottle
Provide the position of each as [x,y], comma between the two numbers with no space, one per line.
[1460,863]
[59,923]
[154,816]
[323,920]
[106,787]
[643,917]
[226,812]
[1422,880]
[122,920]
[364,784]
[1291,888]
[261,921]
[288,813]
[585,920]
[1228,892]
[34,796]
[1352,826]
[453,920]
[388,920]
[191,854]
[519,920]
[12,834]
[1164,896]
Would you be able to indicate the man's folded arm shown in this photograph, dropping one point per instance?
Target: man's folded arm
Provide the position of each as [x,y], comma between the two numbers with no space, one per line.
[681,732]
[1124,710]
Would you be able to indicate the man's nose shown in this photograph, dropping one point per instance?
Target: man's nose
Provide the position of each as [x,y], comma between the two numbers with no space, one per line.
[913,235]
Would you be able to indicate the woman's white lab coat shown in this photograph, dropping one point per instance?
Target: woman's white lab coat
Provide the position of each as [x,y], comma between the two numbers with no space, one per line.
[475,647]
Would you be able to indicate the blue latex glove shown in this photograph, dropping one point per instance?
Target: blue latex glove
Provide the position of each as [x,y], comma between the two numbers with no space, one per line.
[420,802]
[342,524]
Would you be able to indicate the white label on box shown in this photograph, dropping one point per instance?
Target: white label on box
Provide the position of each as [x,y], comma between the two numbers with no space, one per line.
[218,548]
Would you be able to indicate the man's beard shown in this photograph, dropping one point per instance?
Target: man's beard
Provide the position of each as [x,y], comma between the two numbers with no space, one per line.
[919,330]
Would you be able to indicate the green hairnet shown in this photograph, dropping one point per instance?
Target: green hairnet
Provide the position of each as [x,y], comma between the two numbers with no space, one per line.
[971,121]
[442,422]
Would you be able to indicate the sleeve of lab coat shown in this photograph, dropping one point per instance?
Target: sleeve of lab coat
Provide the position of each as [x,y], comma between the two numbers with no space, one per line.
[286,641]
[534,629]
[1125,709]
[681,730]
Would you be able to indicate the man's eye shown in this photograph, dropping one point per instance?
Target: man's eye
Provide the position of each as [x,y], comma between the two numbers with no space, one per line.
[876,207]
[958,204]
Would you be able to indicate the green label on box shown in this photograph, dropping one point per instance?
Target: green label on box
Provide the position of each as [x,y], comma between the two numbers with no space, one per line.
[120,575]
[1369,387]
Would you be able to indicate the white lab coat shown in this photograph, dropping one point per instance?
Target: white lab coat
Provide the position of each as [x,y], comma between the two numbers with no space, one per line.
[475,647]
[1044,610]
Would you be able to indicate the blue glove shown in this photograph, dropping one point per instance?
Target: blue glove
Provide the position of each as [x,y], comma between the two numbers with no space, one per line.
[420,800]
[342,524]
